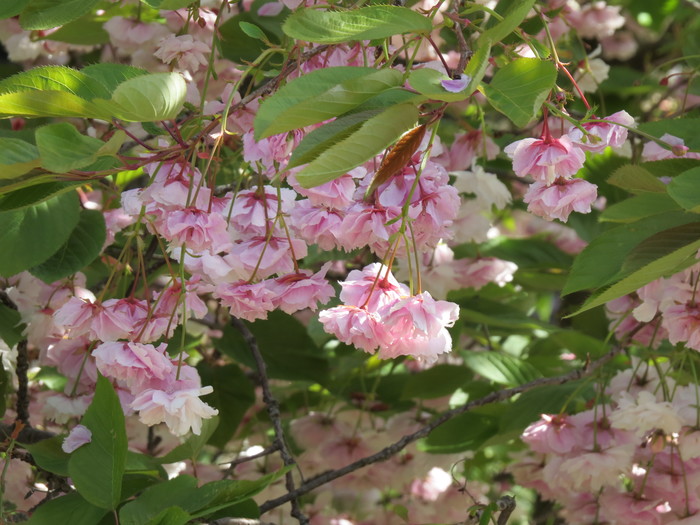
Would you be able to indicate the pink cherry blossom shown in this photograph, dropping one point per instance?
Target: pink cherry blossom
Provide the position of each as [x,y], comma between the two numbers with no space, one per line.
[180,409]
[467,147]
[254,211]
[477,273]
[79,435]
[354,326]
[552,434]
[558,200]
[653,151]
[302,289]
[189,53]
[683,324]
[374,287]
[263,256]
[134,363]
[545,160]
[600,135]
[337,194]
[246,301]
[76,316]
[197,230]
[316,224]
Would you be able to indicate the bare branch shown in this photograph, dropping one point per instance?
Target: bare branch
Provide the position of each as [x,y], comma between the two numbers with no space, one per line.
[384,454]
[274,412]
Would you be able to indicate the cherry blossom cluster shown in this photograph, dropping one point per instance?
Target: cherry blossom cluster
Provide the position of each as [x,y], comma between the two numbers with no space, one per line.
[634,458]
[553,162]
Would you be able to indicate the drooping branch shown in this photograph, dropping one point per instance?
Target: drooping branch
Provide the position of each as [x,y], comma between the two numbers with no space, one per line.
[389,451]
[273,410]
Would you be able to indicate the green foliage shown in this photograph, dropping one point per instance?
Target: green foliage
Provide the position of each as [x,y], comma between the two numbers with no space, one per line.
[17,157]
[49,455]
[519,89]
[357,145]
[96,468]
[10,325]
[82,247]
[63,149]
[464,432]
[367,23]
[321,95]
[685,190]
[71,508]
[515,13]
[427,82]
[46,14]
[31,235]
[501,368]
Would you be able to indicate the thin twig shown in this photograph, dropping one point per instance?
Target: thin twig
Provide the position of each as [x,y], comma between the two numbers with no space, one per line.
[244,459]
[273,410]
[387,452]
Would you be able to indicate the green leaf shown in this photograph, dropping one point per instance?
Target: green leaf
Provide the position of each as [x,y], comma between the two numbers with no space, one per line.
[514,15]
[501,368]
[71,508]
[288,350]
[519,89]
[168,4]
[369,139]
[321,95]
[155,499]
[148,98]
[464,432]
[367,23]
[86,31]
[17,157]
[10,326]
[599,263]
[55,78]
[236,45]
[438,381]
[477,65]
[193,445]
[170,516]
[685,190]
[49,455]
[427,81]
[12,8]
[47,14]
[252,30]
[666,256]
[639,207]
[50,104]
[233,395]
[328,135]
[32,195]
[526,253]
[636,179]
[82,247]
[97,468]
[63,148]
[31,235]
[111,75]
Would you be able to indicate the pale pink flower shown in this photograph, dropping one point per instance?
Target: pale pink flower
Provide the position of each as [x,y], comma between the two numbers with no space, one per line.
[169,301]
[245,300]
[545,160]
[180,409]
[598,20]
[265,256]
[300,290]
[625,508]
[79,435]
[61,408]
[354,326]
[591,471]
[366,225]
[432,485]
[683,324]
[600,135]
[374,287]
[561,198]
[115,221]
[642,413]
[552,434]
[316,224]
[254,211]
[271,9]
[129,35]
[175,183]
[76,316]
[477,273]
[134,363]
[189,53]
[313,429]
[129,318]
[620,46]
[197,230]
[337,194]
[467,147]
[653,151]
[487,188]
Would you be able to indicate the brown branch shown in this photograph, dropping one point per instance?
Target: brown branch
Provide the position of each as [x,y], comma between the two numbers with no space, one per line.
[27,435]
[273,410]
[22,406]
[244,459]
[384,454]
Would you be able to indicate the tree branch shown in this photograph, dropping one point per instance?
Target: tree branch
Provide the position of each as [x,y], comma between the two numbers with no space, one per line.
[384,454]
[274,411]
